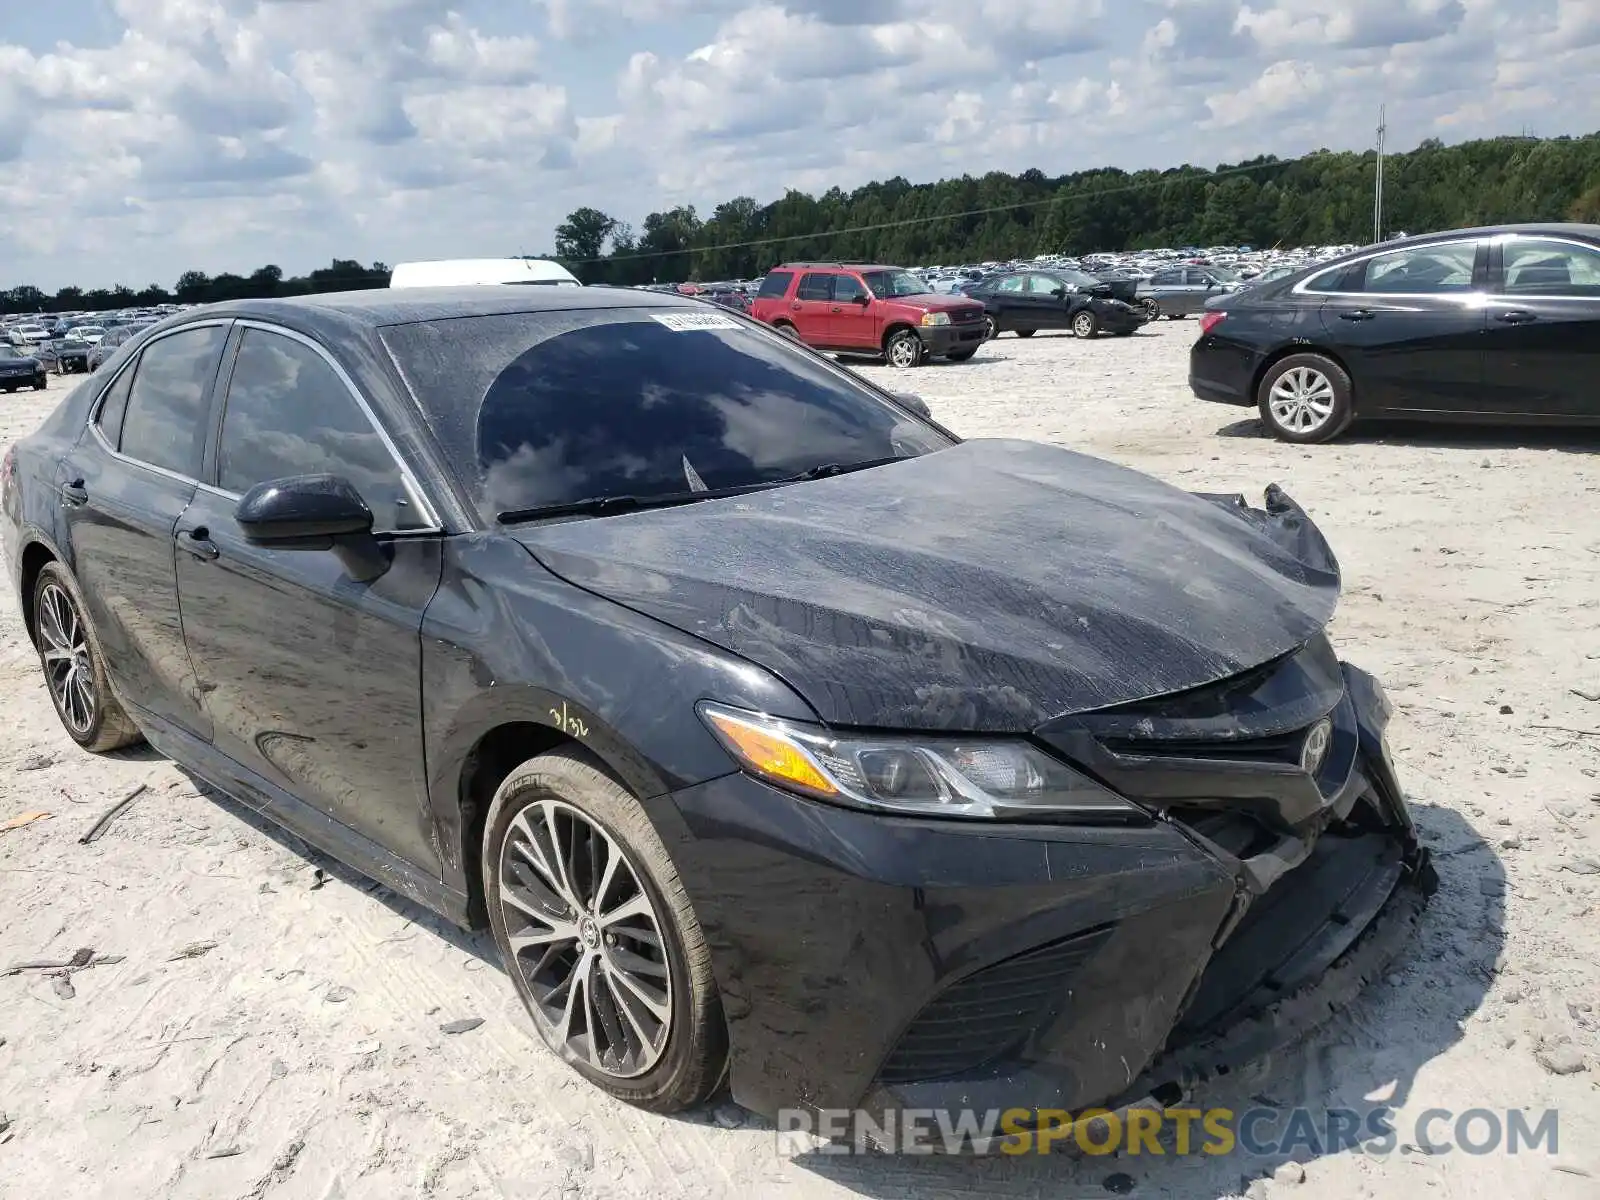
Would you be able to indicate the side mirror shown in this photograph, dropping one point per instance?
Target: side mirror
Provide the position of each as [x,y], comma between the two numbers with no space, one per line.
[314,512]
[303,508]
[914,402]
[863,299]
[1059,293]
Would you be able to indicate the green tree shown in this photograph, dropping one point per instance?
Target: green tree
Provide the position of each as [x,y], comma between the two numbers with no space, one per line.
[581,238]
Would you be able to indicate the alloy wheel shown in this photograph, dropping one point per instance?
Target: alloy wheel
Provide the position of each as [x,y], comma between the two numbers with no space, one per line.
[67,669]
[903,351]
[1083,324]
[990,329]
[1152,311]
[586,938]
[1302,400]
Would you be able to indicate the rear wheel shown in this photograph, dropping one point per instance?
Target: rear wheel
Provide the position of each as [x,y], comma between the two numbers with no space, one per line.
[1305,398]
[1152,309]
[903,350]
[786,329]
[1085,324]
[991,328]
[598,936]
[74,668]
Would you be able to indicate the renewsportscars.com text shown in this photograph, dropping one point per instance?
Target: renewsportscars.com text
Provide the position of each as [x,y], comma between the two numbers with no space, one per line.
[1170,1132]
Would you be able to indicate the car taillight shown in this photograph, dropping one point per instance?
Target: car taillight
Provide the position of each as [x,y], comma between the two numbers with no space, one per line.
[1210,320]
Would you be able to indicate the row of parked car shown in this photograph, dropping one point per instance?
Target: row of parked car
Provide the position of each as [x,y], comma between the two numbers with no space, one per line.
[68,343]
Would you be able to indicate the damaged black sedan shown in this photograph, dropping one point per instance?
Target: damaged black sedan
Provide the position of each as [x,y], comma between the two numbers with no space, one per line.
[779,735]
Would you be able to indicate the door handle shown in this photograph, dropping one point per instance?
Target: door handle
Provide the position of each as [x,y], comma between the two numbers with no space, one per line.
[836,308]
[75,493]
[1357,314]
[198,543]
[1517,316]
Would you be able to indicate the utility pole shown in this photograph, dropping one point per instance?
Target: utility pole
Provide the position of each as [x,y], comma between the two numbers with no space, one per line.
[1377,189]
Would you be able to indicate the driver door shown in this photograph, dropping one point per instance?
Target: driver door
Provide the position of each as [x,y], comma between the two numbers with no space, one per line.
[1050,308]
[852,323]
[311,679]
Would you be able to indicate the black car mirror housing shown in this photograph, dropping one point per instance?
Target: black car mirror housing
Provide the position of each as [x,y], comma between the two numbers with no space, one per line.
[303,508]
[314,512]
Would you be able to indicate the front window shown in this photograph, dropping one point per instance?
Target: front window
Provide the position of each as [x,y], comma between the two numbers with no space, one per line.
[289,413]
[1539,267]
[889,284]
[547,409]
[1013,283]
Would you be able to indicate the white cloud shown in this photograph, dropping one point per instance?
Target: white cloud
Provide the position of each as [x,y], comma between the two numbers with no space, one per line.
[230,133]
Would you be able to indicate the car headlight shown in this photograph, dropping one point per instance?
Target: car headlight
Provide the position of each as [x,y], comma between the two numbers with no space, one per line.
[936,318]
[985,778]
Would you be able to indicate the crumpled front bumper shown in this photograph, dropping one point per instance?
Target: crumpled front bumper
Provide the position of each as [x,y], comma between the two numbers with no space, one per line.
[878,963]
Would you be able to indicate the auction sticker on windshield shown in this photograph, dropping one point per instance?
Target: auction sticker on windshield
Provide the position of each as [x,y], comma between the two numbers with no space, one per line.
[686,322]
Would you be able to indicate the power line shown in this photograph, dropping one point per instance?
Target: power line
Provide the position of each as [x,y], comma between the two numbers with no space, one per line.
[1199,177]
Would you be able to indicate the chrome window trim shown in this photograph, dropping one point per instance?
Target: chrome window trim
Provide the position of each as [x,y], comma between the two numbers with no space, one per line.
[424,503]
[412,485]
[1302,288]
[99,401]
[1504,239]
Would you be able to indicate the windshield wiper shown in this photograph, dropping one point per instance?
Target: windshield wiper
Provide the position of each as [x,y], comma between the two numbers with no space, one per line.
[826,470]
[605,506]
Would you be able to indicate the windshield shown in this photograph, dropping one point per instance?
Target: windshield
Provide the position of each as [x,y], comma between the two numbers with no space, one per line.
[894,283]
[8,353]
[1079,278]
[555,408]
[1223,274]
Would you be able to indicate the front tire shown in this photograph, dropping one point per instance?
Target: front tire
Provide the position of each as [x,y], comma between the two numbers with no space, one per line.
[1026,333]
[598,935]
[1085,324]
[1305,398]
[960,355]
[1152,310]
[903,350]
[74,666]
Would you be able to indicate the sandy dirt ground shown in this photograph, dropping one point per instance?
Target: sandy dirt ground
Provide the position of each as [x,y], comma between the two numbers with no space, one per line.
[272,1027]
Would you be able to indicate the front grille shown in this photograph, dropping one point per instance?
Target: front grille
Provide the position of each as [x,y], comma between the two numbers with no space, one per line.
[1280,748]
[967,315]
[987,1014]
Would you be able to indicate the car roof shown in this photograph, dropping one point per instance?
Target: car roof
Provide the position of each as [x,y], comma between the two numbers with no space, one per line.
[376,307]
[1556,228]
[836,266]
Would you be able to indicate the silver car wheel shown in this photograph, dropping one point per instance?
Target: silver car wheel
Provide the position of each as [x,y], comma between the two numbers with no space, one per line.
[904,351]
[65,652]
[586,938]
[1302,400]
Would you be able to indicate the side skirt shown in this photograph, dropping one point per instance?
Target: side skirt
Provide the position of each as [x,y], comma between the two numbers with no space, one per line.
[305,821]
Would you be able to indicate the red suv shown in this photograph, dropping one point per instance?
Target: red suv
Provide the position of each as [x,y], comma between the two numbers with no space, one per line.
[869,310]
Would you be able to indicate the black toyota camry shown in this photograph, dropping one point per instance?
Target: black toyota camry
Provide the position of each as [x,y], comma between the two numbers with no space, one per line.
[778,734]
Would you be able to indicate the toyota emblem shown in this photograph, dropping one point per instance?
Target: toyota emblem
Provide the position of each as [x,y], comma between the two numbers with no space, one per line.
[1315,748]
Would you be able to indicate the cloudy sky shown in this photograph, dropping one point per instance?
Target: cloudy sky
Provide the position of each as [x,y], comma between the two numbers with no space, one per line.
[139,138]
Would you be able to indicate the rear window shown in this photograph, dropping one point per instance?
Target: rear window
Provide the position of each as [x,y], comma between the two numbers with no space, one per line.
[776,283]
[550,408]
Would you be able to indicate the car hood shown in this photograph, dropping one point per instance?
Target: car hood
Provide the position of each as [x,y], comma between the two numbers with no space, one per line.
[939,301]
[988,587]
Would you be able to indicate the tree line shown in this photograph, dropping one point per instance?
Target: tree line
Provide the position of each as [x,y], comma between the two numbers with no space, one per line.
[1322,198]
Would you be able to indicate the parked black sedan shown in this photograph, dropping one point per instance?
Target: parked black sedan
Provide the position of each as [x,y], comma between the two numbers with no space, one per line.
[19,370]
[1492,325]
[777,733]
[1025,302]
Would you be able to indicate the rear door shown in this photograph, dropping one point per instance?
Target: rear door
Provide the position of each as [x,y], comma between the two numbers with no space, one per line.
[124,488]
[1542,346]
[811,310]
[312,679]
[1409,324]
